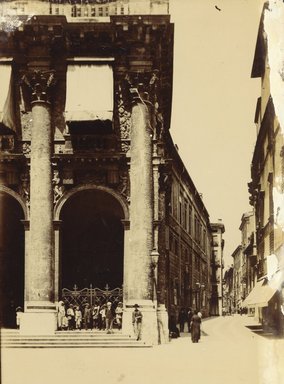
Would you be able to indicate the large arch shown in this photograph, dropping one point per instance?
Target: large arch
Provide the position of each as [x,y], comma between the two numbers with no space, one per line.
[85,187]
[91,238]
[12,255]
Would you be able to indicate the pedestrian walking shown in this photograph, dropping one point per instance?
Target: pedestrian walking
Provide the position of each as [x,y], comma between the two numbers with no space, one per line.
[195,327]
[103,317]
[71,317]
[189,317]
[118,315]
[87,316]
[109,314]
[96,314]
[19,314]
[61,313]
[137,322]
[182,318]
[78,318]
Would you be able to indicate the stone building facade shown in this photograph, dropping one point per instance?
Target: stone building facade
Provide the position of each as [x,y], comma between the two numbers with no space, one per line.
[238,278]
[217,266]
[267,171]
[93,191]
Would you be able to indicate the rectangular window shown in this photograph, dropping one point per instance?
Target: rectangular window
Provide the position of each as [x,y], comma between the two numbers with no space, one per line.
[176,247]
[180,210]
[79,12]
[122,10]
[93,11]
[100,11]
[73,11]
[190,219]
[185,215]
[106,13]
[195,228]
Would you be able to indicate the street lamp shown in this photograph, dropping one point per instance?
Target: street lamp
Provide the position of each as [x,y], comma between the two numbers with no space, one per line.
[154,263]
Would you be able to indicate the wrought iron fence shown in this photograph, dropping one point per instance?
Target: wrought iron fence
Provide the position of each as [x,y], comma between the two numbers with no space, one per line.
[91,295]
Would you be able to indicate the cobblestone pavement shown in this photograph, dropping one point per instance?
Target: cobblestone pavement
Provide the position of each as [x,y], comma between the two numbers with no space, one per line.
[228,352]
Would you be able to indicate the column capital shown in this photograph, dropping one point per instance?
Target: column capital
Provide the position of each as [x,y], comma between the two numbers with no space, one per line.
[39,84]
[141,86]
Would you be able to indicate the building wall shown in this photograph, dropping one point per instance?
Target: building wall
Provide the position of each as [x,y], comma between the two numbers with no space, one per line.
[266,186]
[82,10]
[102,158]
[217,265]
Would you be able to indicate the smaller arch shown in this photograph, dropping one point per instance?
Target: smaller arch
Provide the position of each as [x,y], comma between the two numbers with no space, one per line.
[16,196]
[59,205]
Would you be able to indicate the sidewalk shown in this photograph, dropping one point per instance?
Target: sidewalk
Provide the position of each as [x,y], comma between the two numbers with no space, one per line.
[228,352]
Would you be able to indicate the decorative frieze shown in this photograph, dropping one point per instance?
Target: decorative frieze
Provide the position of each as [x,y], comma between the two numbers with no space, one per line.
[124,185]
[24,188]
[58,187]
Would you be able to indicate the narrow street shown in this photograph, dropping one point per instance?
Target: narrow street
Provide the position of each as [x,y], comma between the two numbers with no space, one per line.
[227,353]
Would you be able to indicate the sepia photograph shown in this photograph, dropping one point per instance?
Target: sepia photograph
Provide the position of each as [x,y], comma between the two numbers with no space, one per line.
[142,191]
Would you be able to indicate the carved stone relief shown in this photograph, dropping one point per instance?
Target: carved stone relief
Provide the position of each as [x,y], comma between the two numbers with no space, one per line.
[124,186]
[58,187]
[124,117]
[24,188]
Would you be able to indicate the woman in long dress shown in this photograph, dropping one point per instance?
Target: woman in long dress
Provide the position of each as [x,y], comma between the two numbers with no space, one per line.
[195,327]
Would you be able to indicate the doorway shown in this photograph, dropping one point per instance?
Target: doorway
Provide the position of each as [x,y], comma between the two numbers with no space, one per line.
[12,259]
[92,241]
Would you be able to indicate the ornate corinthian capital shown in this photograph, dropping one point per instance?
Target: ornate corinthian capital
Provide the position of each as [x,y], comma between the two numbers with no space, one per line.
[142,87]
[39,84]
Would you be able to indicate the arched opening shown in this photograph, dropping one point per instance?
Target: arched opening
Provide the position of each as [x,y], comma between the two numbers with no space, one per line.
[92,237]
[12,259]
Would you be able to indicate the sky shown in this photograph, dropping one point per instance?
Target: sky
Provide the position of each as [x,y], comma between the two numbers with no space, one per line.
[214,100]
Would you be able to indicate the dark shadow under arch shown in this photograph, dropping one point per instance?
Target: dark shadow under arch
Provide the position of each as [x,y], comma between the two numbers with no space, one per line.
[91,240]
[12,258]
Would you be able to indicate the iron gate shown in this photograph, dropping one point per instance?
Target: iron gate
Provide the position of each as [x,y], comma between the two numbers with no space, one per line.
[91,295]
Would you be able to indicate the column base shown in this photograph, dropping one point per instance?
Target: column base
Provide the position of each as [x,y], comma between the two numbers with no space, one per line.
[163,324]
[149,322]
[34,323]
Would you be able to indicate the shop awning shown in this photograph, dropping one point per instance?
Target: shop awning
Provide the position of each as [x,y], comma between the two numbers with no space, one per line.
[89,92]
[260,295]
[7,115]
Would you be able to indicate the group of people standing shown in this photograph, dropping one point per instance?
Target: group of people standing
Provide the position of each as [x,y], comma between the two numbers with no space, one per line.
[89,317]
[193,320]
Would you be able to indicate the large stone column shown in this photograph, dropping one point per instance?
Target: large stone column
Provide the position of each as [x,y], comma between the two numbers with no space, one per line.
[39,316]
[138,276]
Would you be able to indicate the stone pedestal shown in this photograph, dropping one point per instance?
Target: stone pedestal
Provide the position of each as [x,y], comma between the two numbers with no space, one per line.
[38,323]
[163,324]
[149,322]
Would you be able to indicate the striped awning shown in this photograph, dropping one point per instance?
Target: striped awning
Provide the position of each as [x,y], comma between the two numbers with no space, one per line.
[89,92]
[7,113]
[260,295]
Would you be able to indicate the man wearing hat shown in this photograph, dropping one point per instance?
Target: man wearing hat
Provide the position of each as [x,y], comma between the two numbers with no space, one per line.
[109,317]
[137,321]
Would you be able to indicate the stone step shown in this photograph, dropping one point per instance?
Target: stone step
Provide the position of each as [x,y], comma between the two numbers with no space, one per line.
[99,345]
[70,339]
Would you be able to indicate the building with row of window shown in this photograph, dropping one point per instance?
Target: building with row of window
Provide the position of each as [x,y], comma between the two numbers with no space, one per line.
[259,260]
[79,10]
